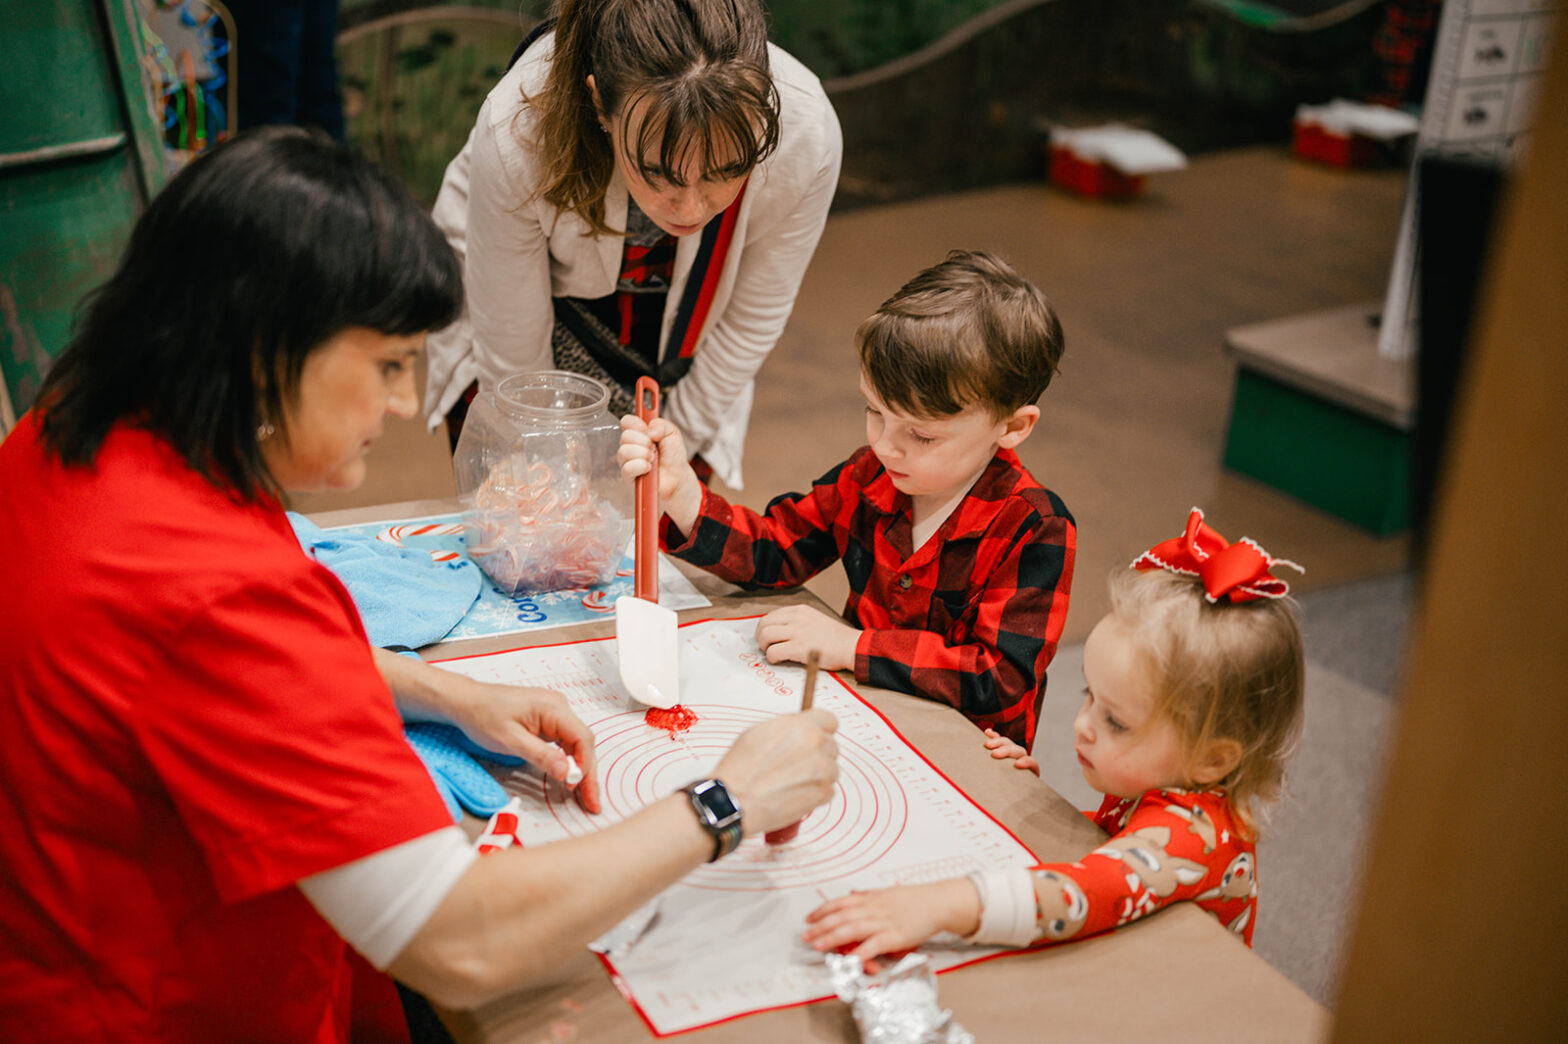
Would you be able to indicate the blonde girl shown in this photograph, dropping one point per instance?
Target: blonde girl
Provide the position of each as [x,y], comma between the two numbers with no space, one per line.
[1192,705]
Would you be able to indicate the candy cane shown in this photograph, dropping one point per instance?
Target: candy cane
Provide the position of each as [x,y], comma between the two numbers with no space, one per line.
[395,535]
[501,832]
[541,534]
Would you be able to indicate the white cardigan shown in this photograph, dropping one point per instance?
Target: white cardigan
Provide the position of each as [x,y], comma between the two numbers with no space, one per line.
[518,253]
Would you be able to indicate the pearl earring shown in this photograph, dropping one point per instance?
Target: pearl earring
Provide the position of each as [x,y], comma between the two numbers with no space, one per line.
[265,431]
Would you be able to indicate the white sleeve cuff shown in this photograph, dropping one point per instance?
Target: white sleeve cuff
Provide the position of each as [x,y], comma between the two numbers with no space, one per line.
[1007,908]
[378,903]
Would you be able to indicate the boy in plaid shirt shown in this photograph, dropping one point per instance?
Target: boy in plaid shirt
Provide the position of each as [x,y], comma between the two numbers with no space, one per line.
[959,561]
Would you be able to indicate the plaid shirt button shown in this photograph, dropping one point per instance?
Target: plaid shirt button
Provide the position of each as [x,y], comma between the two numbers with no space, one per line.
[904,582]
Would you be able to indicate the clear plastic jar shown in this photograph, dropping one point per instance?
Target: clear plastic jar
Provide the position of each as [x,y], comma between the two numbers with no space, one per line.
[544,505]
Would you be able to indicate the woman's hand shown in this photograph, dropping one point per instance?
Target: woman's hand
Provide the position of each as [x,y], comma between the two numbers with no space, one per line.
[890,920]
[1002,747]
[781,769]
[536,724]
[792,632]
[680,491]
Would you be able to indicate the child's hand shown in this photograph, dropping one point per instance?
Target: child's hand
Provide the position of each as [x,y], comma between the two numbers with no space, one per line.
[893,919]
[1002,747]
[680,491]
[792,632]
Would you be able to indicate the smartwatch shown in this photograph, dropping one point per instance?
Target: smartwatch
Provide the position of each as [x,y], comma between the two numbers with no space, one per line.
[718,813]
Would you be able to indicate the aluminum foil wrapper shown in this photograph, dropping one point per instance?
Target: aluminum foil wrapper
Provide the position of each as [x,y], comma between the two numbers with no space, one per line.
[618,941]
[897,1005]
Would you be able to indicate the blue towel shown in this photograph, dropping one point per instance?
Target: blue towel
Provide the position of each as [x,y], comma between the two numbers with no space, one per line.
[404,598]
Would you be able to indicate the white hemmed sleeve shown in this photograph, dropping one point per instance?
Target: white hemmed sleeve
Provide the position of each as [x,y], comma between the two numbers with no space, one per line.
[1007,908]
[379,902]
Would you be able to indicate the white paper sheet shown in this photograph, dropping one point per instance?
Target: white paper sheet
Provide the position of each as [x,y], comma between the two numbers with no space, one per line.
[724,940]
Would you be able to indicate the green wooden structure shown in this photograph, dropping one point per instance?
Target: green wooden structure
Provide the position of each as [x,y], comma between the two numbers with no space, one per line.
[1320,415]
[1344,462]
[79,157]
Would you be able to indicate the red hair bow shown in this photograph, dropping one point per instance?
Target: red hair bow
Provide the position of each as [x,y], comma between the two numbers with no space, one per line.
[1239,571]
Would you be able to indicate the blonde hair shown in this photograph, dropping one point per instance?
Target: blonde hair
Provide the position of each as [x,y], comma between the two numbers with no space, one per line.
[1224,672]
[700,70]
[969,330]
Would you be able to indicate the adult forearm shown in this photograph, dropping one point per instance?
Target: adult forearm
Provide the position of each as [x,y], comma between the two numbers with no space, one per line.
[516,914]
[723,367]
[420,693]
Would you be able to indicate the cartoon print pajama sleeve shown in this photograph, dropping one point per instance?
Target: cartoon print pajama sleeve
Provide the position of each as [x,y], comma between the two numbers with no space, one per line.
[1166,846]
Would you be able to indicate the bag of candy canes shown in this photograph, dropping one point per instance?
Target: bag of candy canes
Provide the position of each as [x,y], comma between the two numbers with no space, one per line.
[544,506]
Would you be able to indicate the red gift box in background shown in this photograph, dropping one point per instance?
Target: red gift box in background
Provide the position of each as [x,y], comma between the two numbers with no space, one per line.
[1348,134]
[1110,161]
[1092,177]
[1315,142]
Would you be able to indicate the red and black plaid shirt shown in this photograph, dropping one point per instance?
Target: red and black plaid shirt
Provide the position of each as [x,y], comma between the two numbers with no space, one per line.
[971,619]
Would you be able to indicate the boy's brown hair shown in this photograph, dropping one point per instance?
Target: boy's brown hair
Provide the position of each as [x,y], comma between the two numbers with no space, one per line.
[1224,672]
[968,331]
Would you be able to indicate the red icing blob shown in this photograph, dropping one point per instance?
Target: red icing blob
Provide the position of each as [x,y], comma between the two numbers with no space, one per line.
[675,720]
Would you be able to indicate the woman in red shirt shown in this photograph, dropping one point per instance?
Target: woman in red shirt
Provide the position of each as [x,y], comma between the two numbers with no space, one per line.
[205,796]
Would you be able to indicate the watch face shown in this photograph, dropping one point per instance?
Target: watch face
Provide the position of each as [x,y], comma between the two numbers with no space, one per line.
[716,800]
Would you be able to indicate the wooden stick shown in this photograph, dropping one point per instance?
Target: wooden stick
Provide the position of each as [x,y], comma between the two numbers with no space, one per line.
[813,659]
[784,835]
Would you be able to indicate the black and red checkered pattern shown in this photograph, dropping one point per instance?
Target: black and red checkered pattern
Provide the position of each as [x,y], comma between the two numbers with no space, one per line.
[971,619]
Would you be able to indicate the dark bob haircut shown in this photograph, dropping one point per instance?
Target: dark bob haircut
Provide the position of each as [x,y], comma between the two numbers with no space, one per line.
[247,261]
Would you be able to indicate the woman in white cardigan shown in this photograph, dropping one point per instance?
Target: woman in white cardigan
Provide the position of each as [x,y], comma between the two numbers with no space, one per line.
[641,194]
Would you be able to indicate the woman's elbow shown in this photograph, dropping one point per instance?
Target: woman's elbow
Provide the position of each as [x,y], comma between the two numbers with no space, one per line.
[456,973]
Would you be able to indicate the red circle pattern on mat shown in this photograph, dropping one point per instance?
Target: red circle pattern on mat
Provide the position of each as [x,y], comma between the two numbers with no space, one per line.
[863,820]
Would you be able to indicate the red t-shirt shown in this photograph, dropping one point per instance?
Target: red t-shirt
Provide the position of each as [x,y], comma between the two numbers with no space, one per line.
[190,721]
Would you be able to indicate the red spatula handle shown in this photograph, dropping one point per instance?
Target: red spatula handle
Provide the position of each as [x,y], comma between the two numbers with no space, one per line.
[645,577]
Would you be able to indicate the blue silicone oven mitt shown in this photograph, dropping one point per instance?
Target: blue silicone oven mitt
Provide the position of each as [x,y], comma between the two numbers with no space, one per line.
[451,758]
[462,781]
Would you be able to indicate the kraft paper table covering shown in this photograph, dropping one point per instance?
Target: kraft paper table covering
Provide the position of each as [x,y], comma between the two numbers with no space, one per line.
[1176,976]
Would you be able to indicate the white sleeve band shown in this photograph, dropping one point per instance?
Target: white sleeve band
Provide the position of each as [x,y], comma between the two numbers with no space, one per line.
[379,902]
[1007,908]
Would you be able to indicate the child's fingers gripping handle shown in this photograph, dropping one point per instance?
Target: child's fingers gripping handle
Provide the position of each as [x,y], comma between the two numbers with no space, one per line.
[635,447]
